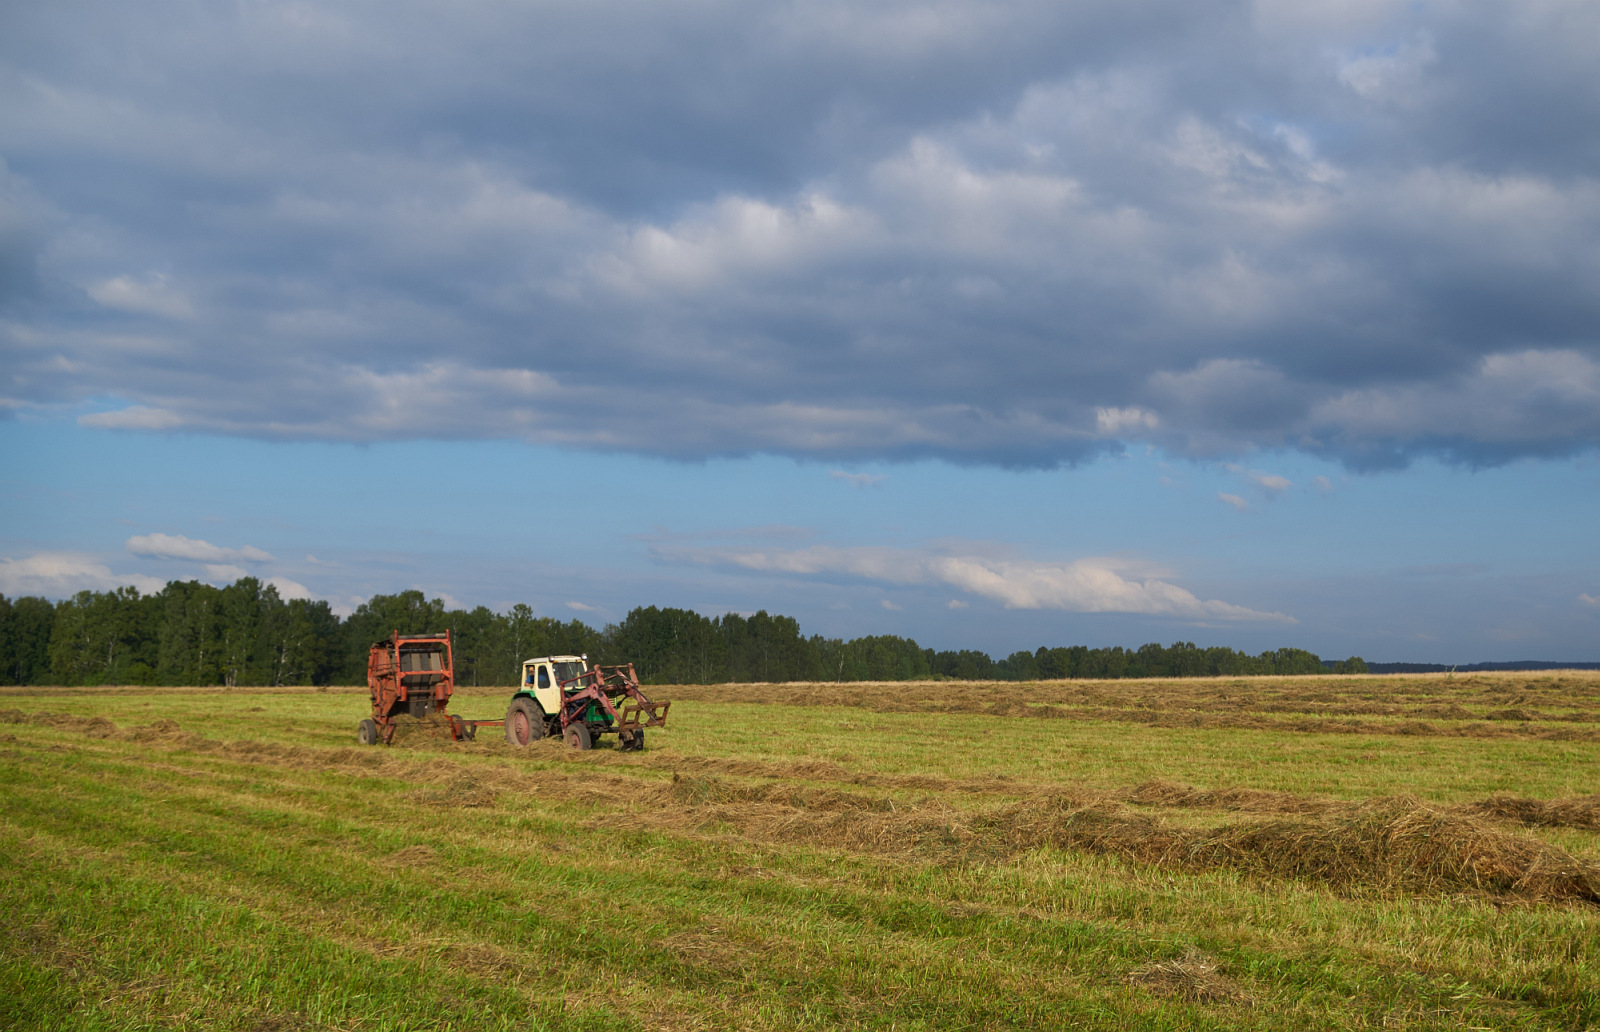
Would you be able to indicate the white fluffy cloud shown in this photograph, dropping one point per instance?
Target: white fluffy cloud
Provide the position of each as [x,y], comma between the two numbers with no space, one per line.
[176,546]
[290,589]
[59,574]
[1098,585]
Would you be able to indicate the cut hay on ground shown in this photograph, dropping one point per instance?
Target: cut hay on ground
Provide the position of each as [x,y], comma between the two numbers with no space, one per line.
[1399,844]
[1194,977]
[1542,707]
[1582,812]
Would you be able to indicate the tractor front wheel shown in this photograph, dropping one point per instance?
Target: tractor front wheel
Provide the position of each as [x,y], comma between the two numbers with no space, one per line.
[367,732]
[577,736]
[524,722]
[632,741]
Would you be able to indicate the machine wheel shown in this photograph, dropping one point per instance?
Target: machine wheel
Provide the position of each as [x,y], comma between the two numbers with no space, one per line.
[631,741]
[577,736]
[524,721]
[367,732]
[460,730]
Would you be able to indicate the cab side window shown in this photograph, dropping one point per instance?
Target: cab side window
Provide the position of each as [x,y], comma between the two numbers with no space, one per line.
[544,677]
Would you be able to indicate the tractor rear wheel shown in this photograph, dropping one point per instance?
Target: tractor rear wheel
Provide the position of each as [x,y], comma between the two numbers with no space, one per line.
[577,736]
[367,732]
[524,721]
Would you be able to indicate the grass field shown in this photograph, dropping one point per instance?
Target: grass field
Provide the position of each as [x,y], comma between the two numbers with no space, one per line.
[1390,852]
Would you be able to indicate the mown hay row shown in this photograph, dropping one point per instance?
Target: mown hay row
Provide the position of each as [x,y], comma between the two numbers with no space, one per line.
[1185,719]
[1160,792]
[1189,711]
[1403,843]
[1421,696]
[1398,843]
[699,791]
[1580,812]
[443,774]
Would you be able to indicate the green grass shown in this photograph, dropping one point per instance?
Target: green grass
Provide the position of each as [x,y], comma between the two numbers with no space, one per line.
[261,872]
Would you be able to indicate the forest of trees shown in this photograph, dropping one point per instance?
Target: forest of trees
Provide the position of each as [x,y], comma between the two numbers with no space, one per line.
[245,634]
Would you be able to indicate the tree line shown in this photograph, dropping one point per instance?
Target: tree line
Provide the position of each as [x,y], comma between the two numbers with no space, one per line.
[191,633]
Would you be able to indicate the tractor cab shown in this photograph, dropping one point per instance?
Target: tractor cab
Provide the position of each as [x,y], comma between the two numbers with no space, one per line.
[545,678]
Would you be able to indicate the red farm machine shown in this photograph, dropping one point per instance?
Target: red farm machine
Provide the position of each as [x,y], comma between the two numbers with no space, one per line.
[410,675]
[414,676]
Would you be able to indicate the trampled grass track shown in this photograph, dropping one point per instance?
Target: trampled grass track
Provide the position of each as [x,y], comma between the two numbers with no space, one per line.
[827,857]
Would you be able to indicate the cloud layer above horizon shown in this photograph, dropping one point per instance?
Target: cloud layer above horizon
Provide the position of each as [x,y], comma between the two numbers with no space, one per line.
[1014,233]
[1094,585]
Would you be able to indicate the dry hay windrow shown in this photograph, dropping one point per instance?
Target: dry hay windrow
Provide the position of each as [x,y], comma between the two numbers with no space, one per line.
[451,782]
[1397,843]
[824,770]
[1581,812]
[1578,812]
[1264,704]
[454,783]
[1330,726]
[1383,696]
[1160,792]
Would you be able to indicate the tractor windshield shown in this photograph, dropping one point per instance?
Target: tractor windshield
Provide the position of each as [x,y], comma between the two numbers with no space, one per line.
[568,671]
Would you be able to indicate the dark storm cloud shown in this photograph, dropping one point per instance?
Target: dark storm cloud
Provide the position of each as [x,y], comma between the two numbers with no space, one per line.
[1012,233]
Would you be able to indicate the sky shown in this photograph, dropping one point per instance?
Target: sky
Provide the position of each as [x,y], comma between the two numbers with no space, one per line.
[992,324]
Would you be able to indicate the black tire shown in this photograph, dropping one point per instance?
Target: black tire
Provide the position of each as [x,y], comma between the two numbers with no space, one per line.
[631,741]
[577,736]
[367,732]
[524,721]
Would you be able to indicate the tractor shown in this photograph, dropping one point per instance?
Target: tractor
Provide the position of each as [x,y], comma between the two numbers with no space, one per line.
[563,695]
